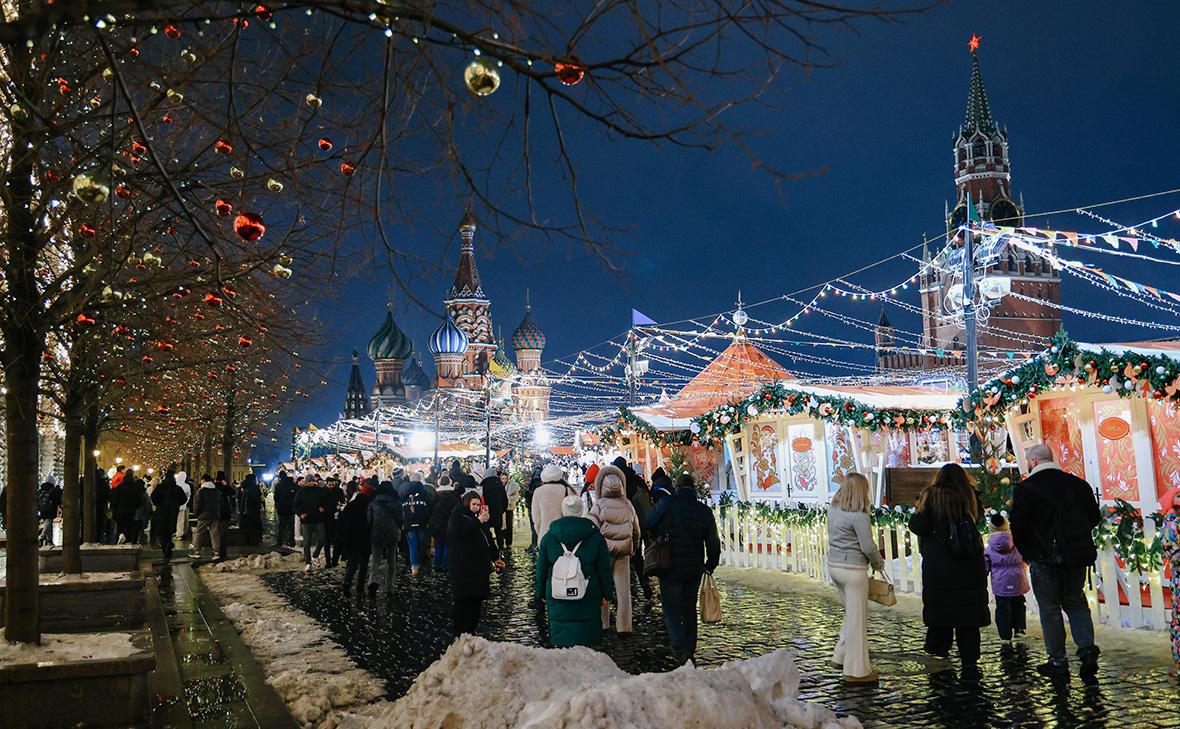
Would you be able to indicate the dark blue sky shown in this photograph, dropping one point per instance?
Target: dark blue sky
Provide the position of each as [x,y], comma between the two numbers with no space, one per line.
[1088,92]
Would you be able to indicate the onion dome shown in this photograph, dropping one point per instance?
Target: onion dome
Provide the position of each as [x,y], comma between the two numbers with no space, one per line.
[414,376]
[389,342]
[501,359]
[448,339]
[528,335]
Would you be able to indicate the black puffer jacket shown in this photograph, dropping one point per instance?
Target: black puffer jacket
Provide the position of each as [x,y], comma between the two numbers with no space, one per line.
[1047,497]
[695,545]
[954,587]
[470,552]
[443,506]
[496,497]
[634,481]
[353,525]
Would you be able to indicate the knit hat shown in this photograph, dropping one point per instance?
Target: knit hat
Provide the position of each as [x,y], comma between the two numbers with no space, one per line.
[572,506]
[684,481]
[552,473]
[997,523]
[592,473]
[444,481]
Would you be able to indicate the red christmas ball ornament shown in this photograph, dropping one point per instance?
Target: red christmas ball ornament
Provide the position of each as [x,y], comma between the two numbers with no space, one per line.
[222,147]
[166,119]
[162,409]
[86,230]
[230,368]
[51,176]
[122,191]
[138,149]
[172,31]
[223,208]
[212,300]
[244,341]
[347,168]
[249,226]
[264,14]
[84,320]
[165,346]
[147,358]
[325,144]
[569,71]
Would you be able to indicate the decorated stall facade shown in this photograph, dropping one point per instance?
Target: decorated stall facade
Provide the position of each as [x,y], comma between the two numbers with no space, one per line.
[657,435]
[795,443]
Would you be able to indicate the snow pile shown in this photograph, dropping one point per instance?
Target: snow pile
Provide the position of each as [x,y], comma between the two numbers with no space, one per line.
[268,562]
[68,647]
[312,673]
[480,683]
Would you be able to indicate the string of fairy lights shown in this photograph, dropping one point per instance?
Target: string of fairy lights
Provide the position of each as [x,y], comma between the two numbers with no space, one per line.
[588,385]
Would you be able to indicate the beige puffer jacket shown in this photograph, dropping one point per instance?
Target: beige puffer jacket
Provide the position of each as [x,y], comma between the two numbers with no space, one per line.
[613,513]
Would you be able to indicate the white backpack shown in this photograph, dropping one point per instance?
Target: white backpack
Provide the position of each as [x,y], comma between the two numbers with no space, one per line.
[568,582]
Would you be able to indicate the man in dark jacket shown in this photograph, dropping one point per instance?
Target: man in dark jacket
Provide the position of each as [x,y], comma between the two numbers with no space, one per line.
[1053,515]
[228,499]
[696,549]
[334,499]
[167,497]
[284,513]
[311,505]
[385,525]
[48,504]
[415,522]
[126,501]
[250,509]
[352,527]
[495,497]
[207,510]
[633,479]
[446,498]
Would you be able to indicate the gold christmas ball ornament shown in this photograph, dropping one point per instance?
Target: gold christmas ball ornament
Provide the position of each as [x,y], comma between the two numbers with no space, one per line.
[282,271]
[314,101]
[237,172]
[174,96]
[482,77]
[189,55]
[284,259]
[274,185]
[90,189]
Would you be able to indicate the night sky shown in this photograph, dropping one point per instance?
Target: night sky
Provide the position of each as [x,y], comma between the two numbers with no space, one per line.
[1088,93]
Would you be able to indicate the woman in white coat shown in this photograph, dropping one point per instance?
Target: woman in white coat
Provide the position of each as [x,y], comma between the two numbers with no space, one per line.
[616,519]
[182,515]
[851,551]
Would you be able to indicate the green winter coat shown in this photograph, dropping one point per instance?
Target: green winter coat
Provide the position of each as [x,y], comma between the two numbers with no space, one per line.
[575,622]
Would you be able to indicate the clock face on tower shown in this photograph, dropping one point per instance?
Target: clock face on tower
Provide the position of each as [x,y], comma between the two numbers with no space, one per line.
[1004,212]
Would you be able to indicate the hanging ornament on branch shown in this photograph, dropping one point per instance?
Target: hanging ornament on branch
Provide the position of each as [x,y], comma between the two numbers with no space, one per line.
[325,144]
[90,189]
[482,77]
[570,70]
[249,226]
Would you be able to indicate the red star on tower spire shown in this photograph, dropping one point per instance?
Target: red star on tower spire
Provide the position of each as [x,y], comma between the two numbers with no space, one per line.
[973,44]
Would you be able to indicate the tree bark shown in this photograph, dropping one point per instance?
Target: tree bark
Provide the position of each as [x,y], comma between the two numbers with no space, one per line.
[89,479]
[22,608]
[71,534]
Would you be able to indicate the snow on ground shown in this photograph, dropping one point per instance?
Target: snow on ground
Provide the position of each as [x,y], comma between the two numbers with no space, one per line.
[312,673]
[482,683]
[488,684]
[68,647]
[47,578]
[268,562]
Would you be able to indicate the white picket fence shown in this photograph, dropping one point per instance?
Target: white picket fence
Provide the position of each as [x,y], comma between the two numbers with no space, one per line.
[749,541]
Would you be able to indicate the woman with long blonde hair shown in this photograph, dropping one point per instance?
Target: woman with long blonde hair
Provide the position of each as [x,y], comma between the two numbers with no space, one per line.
[850,551]
[954,577]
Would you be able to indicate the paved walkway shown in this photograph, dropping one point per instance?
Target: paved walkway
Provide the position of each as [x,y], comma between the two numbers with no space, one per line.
[396,640]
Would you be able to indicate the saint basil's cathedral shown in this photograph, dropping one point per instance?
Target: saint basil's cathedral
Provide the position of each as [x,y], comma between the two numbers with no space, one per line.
[467,357]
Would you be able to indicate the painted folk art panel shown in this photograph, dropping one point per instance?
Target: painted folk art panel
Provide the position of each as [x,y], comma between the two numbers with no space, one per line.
[764,459]
[1164,420]
[1116,454]
[804,476]
[1060,431]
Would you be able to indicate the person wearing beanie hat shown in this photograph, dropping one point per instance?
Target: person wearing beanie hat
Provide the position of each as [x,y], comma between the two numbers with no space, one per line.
[615,518]
[696,549]
[1009,578]
[547,498]
[574,622]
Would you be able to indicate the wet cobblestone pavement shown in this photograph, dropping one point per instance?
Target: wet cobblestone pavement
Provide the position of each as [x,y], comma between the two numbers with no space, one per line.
[396,640]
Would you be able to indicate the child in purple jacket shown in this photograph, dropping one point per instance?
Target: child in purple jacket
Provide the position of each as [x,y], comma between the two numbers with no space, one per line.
[1009,578]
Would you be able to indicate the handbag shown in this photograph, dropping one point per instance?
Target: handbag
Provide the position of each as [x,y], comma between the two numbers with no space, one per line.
[881,591]
[710,600]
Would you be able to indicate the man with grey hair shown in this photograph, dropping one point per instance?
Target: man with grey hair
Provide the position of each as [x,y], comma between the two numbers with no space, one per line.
[1053,516]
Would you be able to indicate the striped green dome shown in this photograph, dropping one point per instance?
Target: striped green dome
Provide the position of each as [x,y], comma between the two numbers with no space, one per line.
[389,342]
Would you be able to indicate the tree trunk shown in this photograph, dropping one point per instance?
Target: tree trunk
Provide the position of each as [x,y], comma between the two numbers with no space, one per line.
[71,533]
[89,476]
[208,455]
[22,618]
[23,328]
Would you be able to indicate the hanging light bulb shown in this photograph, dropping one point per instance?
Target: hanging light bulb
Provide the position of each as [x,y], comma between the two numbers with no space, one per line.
[482,77]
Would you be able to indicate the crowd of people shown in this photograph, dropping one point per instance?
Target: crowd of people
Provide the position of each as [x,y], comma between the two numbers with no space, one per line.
[1047,538]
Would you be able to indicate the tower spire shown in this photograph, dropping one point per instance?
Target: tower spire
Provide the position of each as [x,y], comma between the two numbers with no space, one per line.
[979,114]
